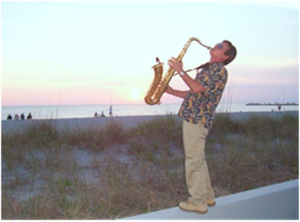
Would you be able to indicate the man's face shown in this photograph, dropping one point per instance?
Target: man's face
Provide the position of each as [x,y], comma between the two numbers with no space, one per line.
[218,52]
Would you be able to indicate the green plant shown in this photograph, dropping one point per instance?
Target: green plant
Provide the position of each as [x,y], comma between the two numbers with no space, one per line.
[131,171]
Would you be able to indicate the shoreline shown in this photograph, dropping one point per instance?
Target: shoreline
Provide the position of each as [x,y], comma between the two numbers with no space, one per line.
[13,126]
[88,111]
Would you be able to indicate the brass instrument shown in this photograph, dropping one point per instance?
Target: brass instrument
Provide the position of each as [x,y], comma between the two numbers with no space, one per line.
[159,84]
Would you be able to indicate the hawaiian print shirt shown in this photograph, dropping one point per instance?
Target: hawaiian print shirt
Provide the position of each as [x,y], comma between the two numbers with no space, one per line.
[201,106]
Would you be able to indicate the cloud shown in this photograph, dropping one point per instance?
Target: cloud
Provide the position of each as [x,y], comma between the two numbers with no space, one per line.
[248,75]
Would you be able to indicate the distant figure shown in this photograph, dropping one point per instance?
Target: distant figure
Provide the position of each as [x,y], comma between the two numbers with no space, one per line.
[95,115]
[22,116]
[9,117]
[102,114]
[16,117]
[279,107]
[29,116]
[110,110]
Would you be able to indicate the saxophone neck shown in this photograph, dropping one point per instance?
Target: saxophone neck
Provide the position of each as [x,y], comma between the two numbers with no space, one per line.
[197,40]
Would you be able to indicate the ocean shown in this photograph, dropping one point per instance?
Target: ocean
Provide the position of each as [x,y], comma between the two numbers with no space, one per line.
[86,111]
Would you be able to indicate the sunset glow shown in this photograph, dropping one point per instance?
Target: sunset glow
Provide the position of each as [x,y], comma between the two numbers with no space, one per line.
[101,52]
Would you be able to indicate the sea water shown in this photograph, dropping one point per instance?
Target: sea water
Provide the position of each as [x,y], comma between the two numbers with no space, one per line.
[86,111]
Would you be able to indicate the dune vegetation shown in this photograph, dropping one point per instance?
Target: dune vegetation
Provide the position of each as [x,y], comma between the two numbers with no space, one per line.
[114,172]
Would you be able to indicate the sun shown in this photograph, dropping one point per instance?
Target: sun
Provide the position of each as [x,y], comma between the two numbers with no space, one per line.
[136,94]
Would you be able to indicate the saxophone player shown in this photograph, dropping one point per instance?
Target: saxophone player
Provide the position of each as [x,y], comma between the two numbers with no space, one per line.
[197,111]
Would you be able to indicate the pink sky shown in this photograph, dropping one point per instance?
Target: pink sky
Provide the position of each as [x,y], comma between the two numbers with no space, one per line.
[102,52]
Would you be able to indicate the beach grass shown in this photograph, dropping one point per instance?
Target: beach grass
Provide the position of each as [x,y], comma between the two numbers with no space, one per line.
[114,172]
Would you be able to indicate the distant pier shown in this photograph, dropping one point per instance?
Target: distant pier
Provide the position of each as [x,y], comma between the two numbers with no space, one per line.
[272,104]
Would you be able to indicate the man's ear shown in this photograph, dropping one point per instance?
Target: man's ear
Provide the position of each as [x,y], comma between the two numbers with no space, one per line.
[225,57]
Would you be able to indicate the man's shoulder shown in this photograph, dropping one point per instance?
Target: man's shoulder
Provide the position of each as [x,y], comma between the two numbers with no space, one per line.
[218,68]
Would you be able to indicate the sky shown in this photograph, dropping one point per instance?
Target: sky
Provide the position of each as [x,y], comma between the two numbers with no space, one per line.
[101,52]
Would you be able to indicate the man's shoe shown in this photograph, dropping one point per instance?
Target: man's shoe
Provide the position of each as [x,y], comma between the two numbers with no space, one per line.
[188,206]
[210,202]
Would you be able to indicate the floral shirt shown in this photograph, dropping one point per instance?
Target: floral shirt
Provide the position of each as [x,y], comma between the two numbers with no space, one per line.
[201,106]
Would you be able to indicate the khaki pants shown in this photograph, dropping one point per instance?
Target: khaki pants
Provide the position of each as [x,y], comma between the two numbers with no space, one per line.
[196,172]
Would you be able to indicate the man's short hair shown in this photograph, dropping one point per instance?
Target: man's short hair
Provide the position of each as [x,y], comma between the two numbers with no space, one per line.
[231,52]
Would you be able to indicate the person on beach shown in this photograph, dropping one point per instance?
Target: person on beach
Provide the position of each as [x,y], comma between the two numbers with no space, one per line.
[29,116]
[197,111]
[110,111]
[16,117]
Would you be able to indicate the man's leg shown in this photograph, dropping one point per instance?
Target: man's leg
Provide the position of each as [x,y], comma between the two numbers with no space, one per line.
[194,136]
[210,194]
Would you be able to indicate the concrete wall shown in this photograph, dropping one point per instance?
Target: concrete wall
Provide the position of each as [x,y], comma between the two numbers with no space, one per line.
[279,201]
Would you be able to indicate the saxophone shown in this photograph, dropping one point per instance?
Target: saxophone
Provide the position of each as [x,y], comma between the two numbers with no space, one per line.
[159,84]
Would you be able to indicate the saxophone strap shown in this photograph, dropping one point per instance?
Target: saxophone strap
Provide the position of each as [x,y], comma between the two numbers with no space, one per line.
[203,66]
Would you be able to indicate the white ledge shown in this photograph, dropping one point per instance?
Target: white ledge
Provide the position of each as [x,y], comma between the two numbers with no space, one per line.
[278,201]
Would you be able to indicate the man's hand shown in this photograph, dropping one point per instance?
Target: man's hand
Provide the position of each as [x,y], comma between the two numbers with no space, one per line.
[175,64]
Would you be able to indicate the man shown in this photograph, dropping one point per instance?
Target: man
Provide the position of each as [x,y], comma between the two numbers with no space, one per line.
[197,111]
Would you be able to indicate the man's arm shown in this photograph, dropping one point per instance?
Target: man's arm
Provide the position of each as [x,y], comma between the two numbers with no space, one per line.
[191,83]
[177,93]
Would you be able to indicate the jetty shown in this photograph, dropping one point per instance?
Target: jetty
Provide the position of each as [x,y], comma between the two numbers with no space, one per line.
[272,104]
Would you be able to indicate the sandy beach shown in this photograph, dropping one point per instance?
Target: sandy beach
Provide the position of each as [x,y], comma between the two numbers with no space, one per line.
[74,123]
[10,126]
